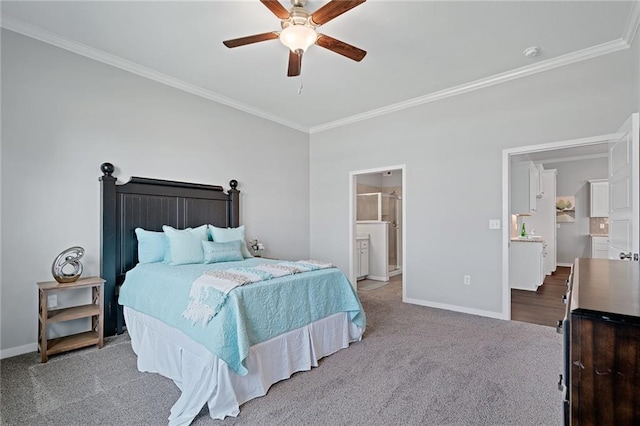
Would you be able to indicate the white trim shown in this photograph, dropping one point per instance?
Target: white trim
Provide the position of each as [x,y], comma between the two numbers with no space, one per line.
[567,265]
[633,23]
[572,143]
[454,308]
[395,272]
[506,218]
[18,350]
[377,278]
[40,34]
[549,64]
[573,158]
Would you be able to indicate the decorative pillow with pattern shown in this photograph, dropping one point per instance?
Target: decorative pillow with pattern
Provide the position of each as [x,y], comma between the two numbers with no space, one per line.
[222,252]
[224,235]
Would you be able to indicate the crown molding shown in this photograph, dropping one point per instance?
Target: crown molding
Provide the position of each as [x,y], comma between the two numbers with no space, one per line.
[40,34]
[549,64]
[633,23]
[630,32]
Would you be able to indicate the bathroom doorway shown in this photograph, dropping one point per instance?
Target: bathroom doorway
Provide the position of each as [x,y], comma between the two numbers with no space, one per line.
[377,217]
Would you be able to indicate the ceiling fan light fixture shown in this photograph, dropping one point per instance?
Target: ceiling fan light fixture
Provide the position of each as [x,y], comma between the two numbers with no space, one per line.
[298,37]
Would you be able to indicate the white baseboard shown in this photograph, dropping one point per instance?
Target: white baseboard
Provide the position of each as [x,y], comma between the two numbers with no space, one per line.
[18,350]
[395,272]
[525,289]
[482,313]
[377,278]
[568,265]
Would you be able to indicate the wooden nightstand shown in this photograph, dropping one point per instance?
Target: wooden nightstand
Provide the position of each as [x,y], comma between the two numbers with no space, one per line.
[95,310]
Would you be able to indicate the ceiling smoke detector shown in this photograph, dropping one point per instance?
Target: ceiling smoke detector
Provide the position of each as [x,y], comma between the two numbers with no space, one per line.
[531,52]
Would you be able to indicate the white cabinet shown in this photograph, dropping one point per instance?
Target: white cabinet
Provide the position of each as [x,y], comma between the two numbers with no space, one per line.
[361,257]
[540,187]
[544,221]
[525,187]
[599,197]
[599,247]
[526,265]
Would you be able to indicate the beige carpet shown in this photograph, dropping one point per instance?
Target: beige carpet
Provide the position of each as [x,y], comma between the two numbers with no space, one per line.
[415,366]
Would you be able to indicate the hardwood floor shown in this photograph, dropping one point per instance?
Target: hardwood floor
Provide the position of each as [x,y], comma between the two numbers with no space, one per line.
[545,306]
[542,307]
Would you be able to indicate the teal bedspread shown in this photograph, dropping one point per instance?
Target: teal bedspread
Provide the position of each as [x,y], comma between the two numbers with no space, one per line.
[251,314]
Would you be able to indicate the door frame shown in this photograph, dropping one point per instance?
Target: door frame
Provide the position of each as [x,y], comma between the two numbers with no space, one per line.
[352,220]
[506,214]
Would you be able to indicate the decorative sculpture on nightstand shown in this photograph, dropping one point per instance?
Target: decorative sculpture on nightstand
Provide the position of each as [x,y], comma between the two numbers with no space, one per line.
[69,257]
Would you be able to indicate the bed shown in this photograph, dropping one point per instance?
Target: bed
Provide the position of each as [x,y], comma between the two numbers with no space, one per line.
[253,336]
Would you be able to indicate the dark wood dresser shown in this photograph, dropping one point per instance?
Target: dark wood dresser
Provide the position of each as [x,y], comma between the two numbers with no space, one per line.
[603,336]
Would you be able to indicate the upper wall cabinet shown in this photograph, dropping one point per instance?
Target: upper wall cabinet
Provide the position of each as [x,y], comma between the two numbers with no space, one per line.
[525,187]
[540,187]
[599,197]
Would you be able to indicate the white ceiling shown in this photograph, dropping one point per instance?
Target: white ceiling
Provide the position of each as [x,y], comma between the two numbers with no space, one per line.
[418,51]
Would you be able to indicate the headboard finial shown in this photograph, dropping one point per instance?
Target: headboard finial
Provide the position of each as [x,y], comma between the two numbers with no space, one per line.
[107,169]
[233,184]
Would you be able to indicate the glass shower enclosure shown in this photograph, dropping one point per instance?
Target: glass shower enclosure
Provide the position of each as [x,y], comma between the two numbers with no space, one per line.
[381,207]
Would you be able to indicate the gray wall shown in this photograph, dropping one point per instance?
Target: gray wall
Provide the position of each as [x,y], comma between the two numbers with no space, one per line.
[636,70]
[372,179]
[572,239]
[453,155]
[63,115]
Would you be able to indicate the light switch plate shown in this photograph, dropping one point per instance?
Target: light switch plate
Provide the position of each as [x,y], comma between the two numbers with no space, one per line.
[494,223]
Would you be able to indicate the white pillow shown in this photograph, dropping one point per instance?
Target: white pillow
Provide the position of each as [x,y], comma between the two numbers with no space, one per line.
[185,245]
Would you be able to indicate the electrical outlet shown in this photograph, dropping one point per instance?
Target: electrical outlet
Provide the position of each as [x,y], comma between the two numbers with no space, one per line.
[52,300]
[467,279]
[494,223]
[602,226]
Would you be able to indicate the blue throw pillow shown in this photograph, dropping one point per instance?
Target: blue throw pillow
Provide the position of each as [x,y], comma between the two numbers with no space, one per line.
[224,235]
[151,246]
[185,245]
[222,252]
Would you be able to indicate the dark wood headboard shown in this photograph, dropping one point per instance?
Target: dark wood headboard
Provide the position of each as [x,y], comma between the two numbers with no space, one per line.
[149,204]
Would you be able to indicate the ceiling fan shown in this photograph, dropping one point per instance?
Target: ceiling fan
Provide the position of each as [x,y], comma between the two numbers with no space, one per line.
[299,31]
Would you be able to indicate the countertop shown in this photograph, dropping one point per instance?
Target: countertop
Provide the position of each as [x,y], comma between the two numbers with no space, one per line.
[599,235]
[528,240]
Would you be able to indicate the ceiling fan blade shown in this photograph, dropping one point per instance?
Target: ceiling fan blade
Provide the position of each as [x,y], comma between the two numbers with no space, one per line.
[333,9]
[340,47]
[250,39]
[276,8]
[295,63]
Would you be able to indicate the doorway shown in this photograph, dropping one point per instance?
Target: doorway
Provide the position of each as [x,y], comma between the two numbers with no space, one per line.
[564,149]
[377,226]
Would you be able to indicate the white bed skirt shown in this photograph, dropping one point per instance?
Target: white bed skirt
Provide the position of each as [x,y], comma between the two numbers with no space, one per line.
[203,378]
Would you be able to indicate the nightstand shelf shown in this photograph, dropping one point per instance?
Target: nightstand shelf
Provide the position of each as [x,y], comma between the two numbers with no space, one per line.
[75,312]
[94,310]
[74,341]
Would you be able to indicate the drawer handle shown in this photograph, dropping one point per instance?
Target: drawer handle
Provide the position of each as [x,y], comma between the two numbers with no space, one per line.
[559,327]
[624,256]
[564,299]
